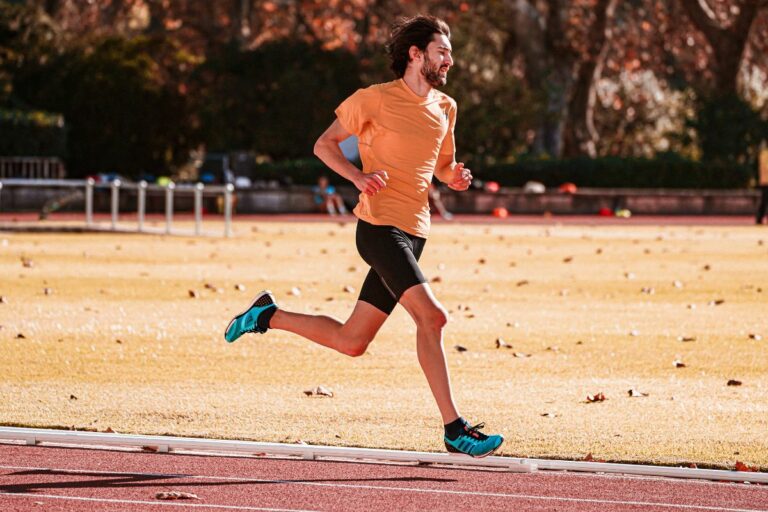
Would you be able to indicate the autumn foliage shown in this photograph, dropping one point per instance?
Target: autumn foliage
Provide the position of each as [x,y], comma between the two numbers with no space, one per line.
[142,82]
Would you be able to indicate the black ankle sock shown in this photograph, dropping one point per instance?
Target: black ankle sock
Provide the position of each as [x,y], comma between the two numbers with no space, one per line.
[455,428]
[265,317]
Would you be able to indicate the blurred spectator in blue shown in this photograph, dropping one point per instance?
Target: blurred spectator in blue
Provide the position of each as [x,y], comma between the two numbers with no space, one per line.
[327,199]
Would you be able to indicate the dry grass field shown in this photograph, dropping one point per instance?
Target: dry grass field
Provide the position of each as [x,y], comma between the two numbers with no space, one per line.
[99,331]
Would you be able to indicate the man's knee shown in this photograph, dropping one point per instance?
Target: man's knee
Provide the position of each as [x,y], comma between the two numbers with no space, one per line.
[355,346]
[434,317]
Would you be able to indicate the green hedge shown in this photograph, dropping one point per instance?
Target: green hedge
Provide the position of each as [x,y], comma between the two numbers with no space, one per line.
[32,133]
[668,171]
[303,171]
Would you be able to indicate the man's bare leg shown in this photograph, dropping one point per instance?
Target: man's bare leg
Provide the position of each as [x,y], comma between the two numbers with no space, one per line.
[430,317]
[351,337]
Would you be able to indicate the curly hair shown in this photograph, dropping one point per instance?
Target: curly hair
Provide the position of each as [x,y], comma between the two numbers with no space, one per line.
[416,31]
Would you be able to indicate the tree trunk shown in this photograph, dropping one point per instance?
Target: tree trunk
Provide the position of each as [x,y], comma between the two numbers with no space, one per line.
[727,43]
[549,67]
[581,136]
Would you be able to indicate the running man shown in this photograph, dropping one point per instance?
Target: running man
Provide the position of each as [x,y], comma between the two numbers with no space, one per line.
[406,134]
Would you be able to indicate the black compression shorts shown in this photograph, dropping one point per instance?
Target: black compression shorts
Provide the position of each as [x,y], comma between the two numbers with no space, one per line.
[393,255]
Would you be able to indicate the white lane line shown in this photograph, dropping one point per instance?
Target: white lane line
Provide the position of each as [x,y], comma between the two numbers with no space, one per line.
[141,502]
[399,489]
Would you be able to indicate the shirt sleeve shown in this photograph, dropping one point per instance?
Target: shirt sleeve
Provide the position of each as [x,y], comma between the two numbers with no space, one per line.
[448,146]
[358,110]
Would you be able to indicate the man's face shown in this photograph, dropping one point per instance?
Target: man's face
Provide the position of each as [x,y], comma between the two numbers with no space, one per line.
[437,61]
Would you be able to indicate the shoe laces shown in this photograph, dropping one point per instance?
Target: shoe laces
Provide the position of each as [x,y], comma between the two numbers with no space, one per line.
[475,431]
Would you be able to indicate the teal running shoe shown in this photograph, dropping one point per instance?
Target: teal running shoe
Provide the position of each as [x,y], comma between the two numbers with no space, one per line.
[474,443]
[248,320]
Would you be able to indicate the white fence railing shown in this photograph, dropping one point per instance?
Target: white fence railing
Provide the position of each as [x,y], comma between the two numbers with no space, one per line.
[27,167]
[141,188]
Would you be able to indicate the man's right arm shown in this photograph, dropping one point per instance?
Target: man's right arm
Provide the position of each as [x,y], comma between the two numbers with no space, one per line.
[327,149]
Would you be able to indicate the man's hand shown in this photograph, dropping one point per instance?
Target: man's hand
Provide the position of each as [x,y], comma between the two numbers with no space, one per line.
[462,178]
[372,182]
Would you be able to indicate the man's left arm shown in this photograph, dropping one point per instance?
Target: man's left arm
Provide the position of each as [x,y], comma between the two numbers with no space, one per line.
[453,174]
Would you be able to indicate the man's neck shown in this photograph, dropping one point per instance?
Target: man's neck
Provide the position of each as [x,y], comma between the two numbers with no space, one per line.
[416,82]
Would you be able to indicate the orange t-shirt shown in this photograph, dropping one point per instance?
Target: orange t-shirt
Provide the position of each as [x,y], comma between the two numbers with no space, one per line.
[401,133]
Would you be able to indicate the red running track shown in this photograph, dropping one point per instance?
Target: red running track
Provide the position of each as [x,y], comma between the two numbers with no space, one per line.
[71,479]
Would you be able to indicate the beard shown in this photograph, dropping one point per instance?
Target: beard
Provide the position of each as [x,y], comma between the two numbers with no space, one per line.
[431,73]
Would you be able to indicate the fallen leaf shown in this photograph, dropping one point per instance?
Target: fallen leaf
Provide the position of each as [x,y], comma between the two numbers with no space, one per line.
[707,267]
[740,466]
[716,302]
[686,338]
[437,279]
[678,364]
[482,261]
[636,394]
[520,355]
[734,382]
[568,259]
[590,458]
[213,287]
[319,391]
[501,343]
[352,269]
[176,495]
[27,263]
[109,430]
[600,397]
[72,397]
[460,348]
[149,448]
[20,336]
[522,283]
[549,415]
[193,294]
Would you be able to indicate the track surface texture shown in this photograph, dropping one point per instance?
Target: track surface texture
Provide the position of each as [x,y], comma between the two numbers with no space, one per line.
[68,479]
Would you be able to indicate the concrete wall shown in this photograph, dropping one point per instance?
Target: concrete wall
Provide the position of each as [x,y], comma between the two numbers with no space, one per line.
[300,200]
[590,201]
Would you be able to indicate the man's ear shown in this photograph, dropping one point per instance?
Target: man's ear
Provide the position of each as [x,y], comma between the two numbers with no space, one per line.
[414,53]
